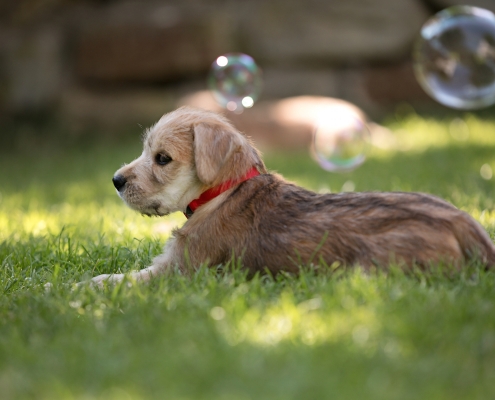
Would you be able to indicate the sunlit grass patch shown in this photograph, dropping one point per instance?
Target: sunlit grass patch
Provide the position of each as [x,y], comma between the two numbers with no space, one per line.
[416,133]
[91,218]
[300,323]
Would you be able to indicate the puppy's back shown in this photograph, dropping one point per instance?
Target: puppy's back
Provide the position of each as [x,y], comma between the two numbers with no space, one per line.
[285,225]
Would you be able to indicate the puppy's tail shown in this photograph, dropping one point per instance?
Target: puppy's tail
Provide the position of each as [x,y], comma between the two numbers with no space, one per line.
[474,240]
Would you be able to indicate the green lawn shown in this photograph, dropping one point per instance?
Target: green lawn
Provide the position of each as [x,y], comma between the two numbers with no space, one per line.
[341,335]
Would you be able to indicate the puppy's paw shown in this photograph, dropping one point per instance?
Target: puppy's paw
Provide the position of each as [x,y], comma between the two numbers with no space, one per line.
[103,280]
[107,279]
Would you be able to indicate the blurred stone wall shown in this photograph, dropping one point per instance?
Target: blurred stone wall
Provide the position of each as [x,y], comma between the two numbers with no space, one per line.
[122,60]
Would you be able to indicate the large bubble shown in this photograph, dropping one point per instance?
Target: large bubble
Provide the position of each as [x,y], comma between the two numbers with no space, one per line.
[235,81]
[454,57]
[340,145]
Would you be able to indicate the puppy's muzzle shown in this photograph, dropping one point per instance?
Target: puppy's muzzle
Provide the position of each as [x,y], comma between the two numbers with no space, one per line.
[119,182]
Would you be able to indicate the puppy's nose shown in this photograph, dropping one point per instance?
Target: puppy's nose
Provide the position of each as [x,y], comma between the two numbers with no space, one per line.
[119,182]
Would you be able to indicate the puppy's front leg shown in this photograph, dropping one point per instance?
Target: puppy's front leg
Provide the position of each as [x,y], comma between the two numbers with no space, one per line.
[161,265]
[143,275]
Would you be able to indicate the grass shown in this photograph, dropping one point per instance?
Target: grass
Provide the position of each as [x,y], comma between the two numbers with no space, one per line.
[341,335]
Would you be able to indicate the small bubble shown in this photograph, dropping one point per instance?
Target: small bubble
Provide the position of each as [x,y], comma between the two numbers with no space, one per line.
[75,304]
[217,313]
[348,186]
[242,288]
[231,106]
[458,129]
[486,172]
[324,189]
[340,144]
[311,304]
[235,81]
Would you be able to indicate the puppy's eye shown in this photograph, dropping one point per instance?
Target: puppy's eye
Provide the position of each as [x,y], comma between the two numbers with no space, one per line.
[162,159]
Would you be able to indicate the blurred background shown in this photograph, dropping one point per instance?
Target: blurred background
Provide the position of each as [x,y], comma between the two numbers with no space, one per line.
[109,63]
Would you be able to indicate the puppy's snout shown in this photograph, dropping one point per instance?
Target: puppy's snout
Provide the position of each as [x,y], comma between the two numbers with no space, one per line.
[119,182]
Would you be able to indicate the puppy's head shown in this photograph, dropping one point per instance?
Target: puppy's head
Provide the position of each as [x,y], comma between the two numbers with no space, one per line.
[186,152]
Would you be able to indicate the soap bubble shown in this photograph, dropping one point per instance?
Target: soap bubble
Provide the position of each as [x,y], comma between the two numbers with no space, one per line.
[340,145]
[454,57]
[486,172]
[235,81]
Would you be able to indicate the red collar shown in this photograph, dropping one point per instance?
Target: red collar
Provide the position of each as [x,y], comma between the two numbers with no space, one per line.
[213,192]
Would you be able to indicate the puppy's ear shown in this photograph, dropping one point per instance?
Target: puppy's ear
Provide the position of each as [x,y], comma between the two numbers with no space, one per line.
[214,149]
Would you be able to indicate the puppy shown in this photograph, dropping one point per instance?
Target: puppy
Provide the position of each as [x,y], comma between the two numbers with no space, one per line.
[196,162]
